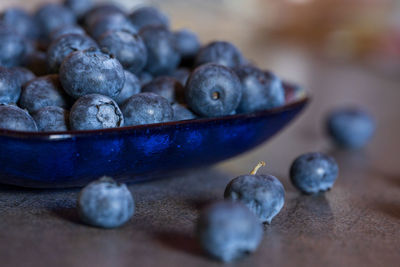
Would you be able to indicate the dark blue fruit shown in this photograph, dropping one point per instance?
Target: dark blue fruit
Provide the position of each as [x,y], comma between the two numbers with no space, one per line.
[167,87]
[100,10]
[146,108]
[187,42]
[313,172]
[94,111]
[14,118]
[60,48]
[162,54]
[67,29]
[228,230]
[148,16]
[128,48]
[219,52]
[181,113]
[131,87]
[261,90]
[111,22]
[182,75]
[20,22]
[10,88]
[213,90]
[51,119]
[263,194]
[91,72]
[144,78]
[12,47]
[42,92]
[350,127]
[23,75]
[52,16]
[105,203]
[79,7]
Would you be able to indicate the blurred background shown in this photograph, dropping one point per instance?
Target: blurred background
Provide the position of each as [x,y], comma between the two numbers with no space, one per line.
[345,52]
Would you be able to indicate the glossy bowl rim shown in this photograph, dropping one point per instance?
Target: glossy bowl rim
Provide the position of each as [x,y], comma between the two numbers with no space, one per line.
[61,135]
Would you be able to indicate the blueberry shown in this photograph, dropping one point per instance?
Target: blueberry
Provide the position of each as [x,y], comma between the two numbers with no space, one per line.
[131,87]
[145,77]
[187,43]
[228,230]
[105,203]
[111,22]
[52,16]
[60,48]
[21,22]
[14,118]
[146,108]
[79,7]
[128,48]
[42,92]
[94,111]
[23,75]
[263,194]
[213,90]
[91,72]
[10,88]
[100,10]
[162,55]
[37,63]
[350,127]
[148,16]
[167,87]
[51,119]
[313,172]
[220,52]
[261,90]
[67,29]
[182,75]
[181,113]
[12,48]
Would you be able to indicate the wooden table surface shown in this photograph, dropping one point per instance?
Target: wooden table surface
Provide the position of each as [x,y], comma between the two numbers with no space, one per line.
[357,223]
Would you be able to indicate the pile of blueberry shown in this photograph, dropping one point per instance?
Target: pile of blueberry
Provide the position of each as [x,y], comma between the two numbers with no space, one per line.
[79,66]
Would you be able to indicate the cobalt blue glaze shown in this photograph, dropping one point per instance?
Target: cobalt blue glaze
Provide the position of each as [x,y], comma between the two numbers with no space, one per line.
[136,153]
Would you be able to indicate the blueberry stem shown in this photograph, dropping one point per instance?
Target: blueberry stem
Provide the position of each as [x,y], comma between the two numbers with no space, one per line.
[258,166]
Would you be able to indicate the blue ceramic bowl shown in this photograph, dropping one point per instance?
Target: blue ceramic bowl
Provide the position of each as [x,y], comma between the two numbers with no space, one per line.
[67,159]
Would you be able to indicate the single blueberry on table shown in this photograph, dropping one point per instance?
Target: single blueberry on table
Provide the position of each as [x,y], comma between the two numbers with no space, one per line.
[105,203]
[167,87]
[228,230]
[111,22]
[350,127]
[23,75]
[219,52]
[60,48]
[14,118]
[213,90]
[261,90]
[21,22]
[162,54]
[313,172]
[263,194]
[94,111]
[148,16]
[144,78]
[181,113]
[187,42]
[51,119]
[146,108]
[91,72]
[52,16]
[13,47]
[128,48]
[182,75]
[43,91]
[67,29]
[100,10]
[10,87]
[79,7]
[131,87]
